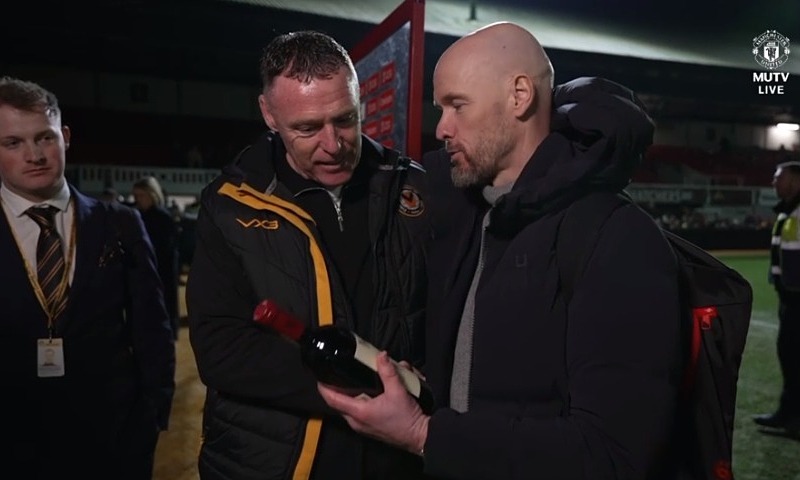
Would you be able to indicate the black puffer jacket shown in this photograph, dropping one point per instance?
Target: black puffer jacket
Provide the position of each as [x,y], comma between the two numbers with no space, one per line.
[263,412]
[585,391]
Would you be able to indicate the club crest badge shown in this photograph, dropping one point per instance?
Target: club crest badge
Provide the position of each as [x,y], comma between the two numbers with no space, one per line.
[771,49]
[410,202]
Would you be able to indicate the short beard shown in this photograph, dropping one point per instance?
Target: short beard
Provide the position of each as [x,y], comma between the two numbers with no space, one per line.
[473,174]
[483,167]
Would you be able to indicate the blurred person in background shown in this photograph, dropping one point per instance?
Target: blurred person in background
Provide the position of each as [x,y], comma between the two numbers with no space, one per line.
[162,228]
[109,195]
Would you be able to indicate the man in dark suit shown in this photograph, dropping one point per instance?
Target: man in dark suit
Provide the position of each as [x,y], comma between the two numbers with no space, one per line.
[79,287]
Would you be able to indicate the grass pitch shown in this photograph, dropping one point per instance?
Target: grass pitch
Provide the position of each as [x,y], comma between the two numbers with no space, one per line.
[756,455]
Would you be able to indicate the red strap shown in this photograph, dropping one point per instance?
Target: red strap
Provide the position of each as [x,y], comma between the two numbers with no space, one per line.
[722,470]
[702,319]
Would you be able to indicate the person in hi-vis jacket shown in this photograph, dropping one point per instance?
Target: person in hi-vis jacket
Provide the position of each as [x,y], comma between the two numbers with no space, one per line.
[785,276]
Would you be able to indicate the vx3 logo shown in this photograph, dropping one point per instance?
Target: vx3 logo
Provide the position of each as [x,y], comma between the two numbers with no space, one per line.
[256,223]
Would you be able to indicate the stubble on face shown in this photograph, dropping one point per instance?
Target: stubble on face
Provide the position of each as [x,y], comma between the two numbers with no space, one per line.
[483,162]
[490,145]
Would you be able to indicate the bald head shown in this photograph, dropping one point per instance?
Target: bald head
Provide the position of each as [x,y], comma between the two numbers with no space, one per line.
[501,49]
[494,87]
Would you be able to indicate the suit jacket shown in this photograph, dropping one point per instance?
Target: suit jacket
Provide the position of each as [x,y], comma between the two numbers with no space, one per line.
[119,353]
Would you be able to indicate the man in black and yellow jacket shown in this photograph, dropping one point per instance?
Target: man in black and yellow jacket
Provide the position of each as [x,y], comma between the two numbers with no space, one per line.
[329,224]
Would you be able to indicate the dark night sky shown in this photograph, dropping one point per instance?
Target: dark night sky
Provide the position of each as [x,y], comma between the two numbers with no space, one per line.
[695,18]
[220,41]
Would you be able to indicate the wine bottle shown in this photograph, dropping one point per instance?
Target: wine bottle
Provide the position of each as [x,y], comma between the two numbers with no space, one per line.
[339,357]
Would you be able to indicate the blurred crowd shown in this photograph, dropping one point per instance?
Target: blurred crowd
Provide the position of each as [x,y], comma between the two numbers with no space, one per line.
[688,219]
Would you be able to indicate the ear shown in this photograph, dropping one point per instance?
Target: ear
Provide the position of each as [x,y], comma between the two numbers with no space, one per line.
[66,133]
[524,95]
[265,114]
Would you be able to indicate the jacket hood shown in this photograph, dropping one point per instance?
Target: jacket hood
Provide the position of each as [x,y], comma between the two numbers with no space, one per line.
[599,133]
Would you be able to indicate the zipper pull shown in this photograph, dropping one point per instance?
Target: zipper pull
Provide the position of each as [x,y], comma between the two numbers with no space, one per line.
[340,218]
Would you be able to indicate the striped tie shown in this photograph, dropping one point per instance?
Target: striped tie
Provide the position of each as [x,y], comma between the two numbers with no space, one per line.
[50,267]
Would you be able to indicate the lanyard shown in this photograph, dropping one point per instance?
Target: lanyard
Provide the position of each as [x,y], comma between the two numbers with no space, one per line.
[34,280]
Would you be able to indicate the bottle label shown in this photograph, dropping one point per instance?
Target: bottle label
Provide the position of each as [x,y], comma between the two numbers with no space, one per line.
[367,354]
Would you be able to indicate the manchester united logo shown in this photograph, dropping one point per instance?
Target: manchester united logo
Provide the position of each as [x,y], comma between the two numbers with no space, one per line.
[410,202]
[771,49]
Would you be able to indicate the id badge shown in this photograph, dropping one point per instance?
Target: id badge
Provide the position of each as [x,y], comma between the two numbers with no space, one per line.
[50,357]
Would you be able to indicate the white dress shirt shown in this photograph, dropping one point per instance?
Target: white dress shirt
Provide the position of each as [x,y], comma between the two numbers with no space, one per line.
[26,231]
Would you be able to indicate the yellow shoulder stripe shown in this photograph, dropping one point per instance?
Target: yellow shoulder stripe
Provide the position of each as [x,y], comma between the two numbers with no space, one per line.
[260,201]
[295,215]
